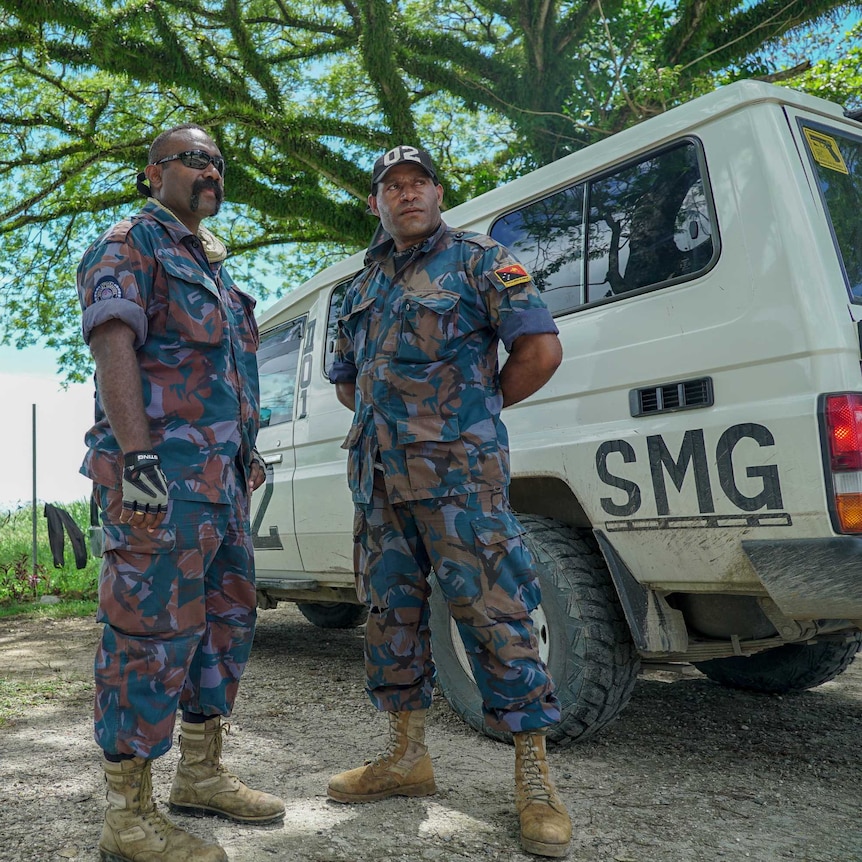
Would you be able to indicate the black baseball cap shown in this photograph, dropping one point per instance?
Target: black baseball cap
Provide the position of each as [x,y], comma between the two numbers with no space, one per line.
[398,156]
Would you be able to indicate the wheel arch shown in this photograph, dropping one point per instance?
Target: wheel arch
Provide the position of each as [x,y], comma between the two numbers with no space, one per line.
[548,497]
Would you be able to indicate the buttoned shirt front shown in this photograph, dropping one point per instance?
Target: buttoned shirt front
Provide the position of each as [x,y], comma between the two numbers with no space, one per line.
[419,335]
[196,340]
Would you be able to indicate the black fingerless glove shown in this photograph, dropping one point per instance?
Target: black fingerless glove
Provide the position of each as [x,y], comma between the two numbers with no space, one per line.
[145,488]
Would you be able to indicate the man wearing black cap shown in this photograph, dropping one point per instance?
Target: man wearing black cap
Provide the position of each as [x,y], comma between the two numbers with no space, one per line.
[429,472]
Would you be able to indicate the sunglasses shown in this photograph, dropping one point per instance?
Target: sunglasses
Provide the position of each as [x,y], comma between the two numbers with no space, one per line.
[196,159]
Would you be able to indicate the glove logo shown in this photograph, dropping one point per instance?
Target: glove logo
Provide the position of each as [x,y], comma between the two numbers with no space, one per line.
[145,487]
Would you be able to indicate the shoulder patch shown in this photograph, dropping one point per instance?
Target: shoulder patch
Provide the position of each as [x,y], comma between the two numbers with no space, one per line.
[512,275]
[107,288]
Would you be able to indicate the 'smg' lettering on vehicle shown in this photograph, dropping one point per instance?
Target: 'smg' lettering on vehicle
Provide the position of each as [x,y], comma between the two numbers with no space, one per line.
[692,458]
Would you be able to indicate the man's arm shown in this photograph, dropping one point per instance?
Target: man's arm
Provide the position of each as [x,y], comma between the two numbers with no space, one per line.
[532,362]
[346,394]
[119,378]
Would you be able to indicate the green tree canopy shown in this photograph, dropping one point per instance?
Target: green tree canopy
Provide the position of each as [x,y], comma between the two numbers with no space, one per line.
[302,96]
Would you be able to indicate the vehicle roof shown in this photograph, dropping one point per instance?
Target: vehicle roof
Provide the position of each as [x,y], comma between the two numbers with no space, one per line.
[563,172]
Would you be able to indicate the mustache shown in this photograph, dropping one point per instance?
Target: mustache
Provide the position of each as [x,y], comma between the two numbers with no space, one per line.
[199,186]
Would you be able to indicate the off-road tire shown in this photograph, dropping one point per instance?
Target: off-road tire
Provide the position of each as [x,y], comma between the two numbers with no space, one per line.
[591,655]
[333,615]
[784,669]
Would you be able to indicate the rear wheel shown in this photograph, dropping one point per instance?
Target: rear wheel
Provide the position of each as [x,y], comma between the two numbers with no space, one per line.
[333,615]
[581,629]
[788,668]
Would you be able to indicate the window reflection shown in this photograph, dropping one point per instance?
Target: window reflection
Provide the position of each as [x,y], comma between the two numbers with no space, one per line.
[648,223]
[548,238]
[277,361]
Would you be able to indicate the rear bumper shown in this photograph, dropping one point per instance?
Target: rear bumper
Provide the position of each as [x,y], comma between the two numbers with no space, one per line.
[811,579]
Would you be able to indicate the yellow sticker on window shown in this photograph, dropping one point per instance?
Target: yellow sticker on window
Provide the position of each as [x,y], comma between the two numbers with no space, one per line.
[825,150]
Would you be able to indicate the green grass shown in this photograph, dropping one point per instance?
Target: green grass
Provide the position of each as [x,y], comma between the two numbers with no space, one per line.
[22,585]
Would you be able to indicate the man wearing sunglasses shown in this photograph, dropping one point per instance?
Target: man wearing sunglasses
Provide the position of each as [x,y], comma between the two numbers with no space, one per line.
[173,463]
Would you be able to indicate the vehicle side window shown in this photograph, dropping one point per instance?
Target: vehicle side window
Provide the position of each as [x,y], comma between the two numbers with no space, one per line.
[547,236]
[277,362]
[648,223]
[336,300]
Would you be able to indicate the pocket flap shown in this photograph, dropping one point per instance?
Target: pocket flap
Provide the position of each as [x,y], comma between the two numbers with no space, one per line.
[138,540]
[357,309]
[439,302]
[419,429]
[185,270]
[493,529]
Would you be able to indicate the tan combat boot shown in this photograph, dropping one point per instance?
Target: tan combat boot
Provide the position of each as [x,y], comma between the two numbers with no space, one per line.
[404,769]
[136,831]
[202,786]
[546,829]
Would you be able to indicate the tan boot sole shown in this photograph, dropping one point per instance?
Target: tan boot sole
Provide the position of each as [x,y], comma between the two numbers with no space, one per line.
[424,788]
[203,811]
[540,848]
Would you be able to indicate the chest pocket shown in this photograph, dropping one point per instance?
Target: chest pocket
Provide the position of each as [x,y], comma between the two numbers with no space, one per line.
[428,326]
[352,337]
[194,313]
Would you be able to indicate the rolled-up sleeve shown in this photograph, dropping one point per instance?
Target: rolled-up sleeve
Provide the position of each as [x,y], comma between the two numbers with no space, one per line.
[533,321]
[342,371]
[109,288]
[115,309]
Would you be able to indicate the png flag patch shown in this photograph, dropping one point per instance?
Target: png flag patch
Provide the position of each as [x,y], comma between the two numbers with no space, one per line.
[511,275]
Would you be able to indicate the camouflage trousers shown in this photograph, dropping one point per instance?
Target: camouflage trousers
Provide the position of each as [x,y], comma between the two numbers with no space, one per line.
[473,543]
[179,609]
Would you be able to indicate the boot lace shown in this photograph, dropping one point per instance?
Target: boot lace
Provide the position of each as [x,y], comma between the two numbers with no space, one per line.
[535,786]
[218,743]
[161,826]
[388,754]
[216,750]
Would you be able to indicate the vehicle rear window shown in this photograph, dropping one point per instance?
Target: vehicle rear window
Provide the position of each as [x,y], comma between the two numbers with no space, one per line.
[643,225]
[837,160]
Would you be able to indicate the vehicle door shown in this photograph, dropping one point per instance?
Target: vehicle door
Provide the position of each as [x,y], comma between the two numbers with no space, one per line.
[272,522]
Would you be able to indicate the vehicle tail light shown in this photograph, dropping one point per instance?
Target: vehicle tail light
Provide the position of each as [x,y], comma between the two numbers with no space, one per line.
[843,414]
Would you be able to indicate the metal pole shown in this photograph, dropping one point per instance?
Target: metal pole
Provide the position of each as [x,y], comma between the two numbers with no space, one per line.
[35,561]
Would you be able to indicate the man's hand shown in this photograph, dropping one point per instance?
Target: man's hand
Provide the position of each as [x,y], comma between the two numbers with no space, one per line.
[257,474]
[145,490]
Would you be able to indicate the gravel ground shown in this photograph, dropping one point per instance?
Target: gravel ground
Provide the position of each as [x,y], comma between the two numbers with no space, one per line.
[689,772]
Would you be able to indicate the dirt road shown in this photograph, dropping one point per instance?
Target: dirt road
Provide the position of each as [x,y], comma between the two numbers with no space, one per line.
[690,772]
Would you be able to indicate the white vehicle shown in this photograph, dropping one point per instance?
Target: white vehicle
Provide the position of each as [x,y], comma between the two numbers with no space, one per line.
[691,477]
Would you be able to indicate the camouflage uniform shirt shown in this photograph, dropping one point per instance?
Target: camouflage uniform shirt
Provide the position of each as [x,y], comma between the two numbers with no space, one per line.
[418,334]
[196,339]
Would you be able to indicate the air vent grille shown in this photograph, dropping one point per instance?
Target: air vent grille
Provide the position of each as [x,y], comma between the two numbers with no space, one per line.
[669,397]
